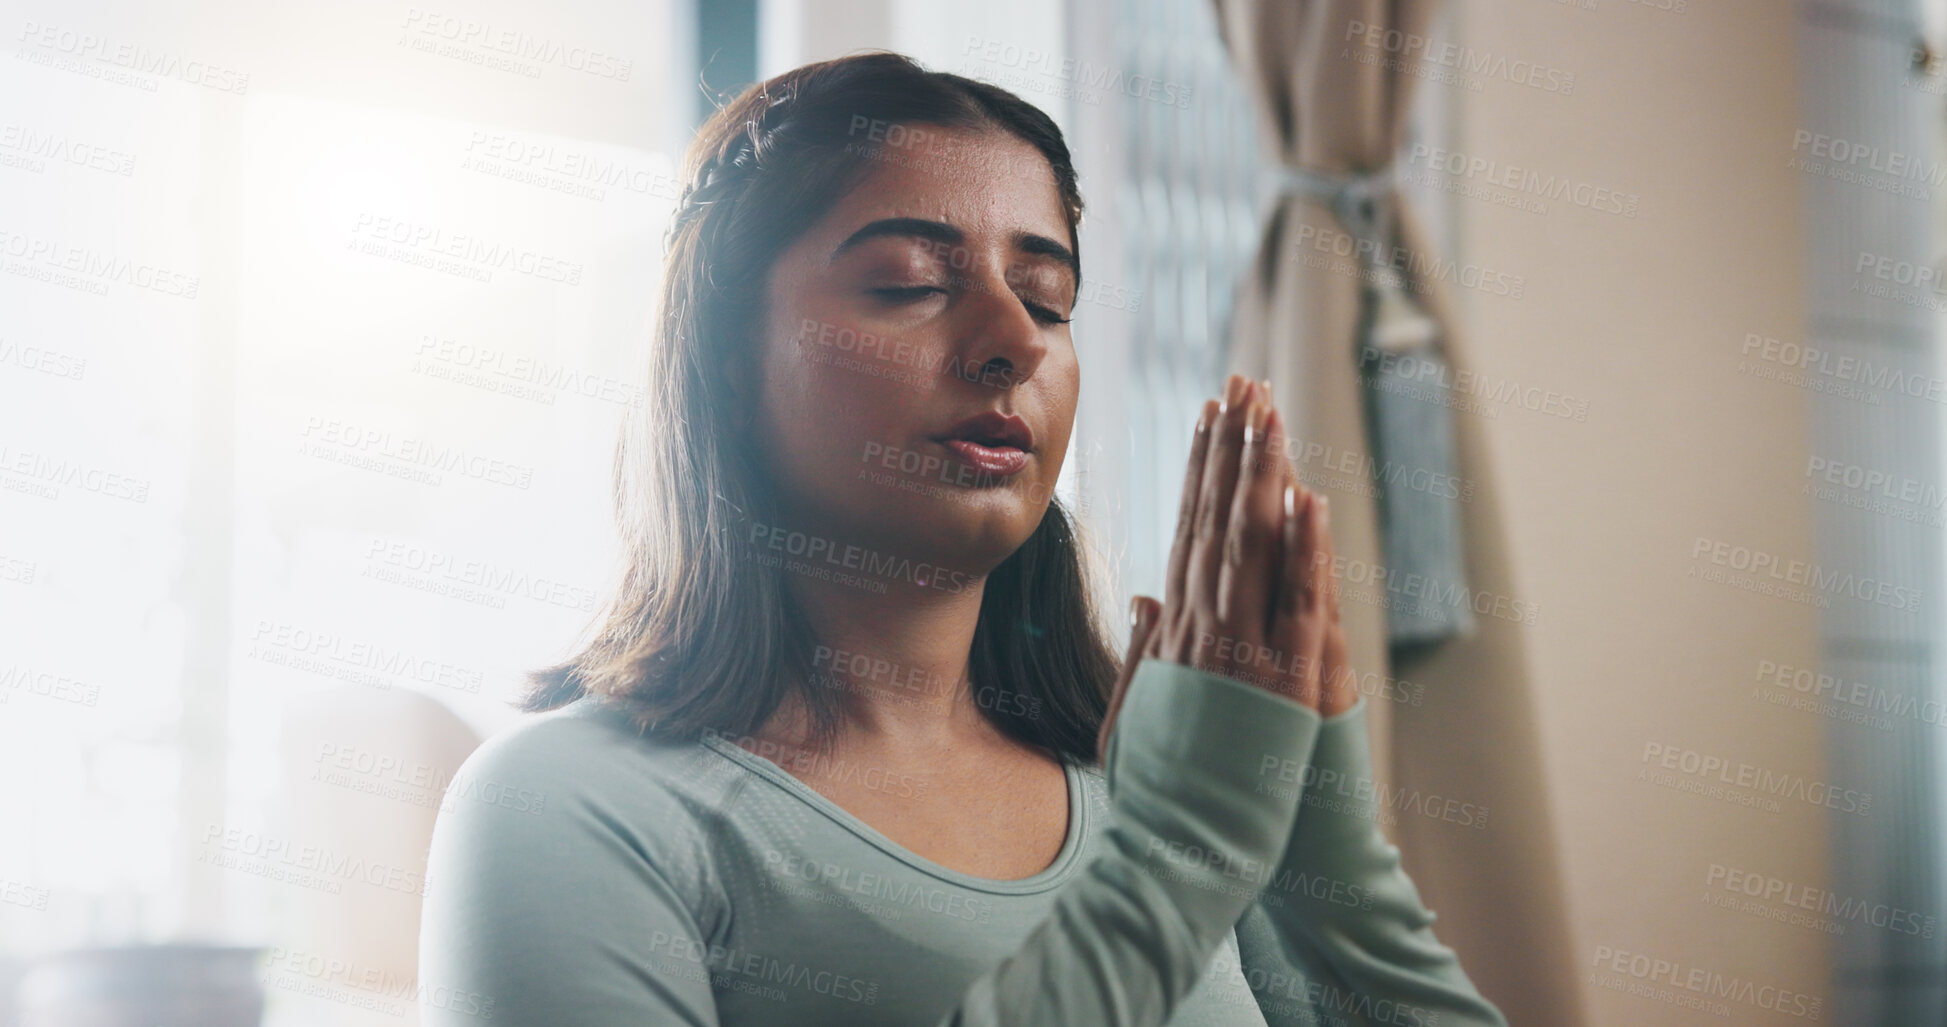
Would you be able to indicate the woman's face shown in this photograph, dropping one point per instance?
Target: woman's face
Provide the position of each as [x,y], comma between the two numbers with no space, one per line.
[934,293]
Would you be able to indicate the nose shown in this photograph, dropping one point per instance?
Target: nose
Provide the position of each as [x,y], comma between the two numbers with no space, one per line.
[1002,344]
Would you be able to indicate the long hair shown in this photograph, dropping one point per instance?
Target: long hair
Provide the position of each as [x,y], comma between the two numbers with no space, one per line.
[701,635]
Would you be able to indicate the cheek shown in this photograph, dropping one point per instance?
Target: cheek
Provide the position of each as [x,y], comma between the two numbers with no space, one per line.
[1061,390]
[823,413]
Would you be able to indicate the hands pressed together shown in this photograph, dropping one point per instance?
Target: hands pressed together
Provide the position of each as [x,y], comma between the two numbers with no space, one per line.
[1250,593]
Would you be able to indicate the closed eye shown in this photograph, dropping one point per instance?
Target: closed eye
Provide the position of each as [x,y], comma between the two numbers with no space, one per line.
[902,294]
[1045,315]
[906,293]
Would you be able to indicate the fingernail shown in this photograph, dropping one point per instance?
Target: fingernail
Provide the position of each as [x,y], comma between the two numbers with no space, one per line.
[1266,384]
[1233,389]
[1324,511]
[1290,502]
[1254,428]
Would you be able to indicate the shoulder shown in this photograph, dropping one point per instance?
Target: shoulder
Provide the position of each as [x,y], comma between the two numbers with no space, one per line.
[572,864]
[575,789]
[587,753]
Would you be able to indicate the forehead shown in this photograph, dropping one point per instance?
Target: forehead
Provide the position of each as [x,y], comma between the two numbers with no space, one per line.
[984,182]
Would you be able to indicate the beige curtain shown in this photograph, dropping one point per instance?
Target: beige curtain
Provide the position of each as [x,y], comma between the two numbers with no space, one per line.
[1327,101]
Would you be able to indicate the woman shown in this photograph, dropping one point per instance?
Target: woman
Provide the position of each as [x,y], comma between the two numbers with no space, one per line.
[830,757]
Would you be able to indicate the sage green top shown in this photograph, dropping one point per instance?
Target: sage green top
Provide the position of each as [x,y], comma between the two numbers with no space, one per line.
[1226,872]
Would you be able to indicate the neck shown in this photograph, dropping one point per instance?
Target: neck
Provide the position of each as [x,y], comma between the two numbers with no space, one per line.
[897,660]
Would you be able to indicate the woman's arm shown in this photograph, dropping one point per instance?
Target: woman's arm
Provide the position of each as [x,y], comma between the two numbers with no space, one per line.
[1195,826]
[1339,934]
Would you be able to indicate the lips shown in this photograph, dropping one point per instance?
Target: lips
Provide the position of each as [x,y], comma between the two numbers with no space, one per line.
[993,430]
[994,442]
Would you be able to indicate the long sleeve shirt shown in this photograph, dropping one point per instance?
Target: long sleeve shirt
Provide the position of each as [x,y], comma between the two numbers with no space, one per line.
[1224,869]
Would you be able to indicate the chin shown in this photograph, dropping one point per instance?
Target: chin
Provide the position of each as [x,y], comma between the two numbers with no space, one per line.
[966,531]
[989,535]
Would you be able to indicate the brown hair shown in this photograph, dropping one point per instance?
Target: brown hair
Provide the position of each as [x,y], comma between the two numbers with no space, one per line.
[701,635]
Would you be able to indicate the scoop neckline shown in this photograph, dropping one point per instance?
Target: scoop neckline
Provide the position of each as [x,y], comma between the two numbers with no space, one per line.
[1050,877]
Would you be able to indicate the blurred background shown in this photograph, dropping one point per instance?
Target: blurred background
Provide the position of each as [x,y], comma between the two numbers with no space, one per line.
[317,322]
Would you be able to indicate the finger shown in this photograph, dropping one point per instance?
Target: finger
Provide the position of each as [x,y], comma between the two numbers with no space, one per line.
[1186,514]
[1298,634]
[1339,691]
[1291,573]
[1280,450]
[1314,613]
[1281,446]
[1213,506]
[1251,539]
[1145,613]
[1329,581]
[1338,684]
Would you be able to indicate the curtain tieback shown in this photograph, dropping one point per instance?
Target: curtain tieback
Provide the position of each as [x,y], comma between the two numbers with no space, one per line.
[1409,429]
[1363,202]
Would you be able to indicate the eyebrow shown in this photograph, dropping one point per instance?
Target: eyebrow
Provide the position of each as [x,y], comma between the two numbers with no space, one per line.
[941,232]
